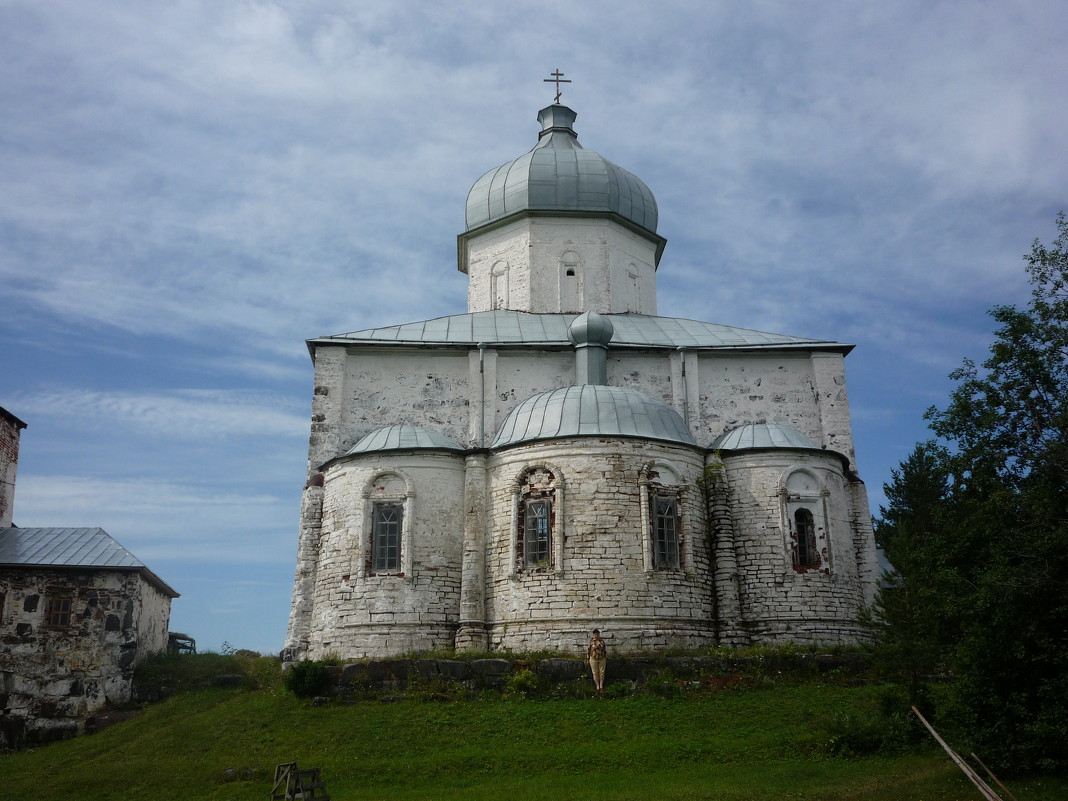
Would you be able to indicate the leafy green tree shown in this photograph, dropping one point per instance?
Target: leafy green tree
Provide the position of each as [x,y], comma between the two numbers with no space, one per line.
[909,614]
[978,530]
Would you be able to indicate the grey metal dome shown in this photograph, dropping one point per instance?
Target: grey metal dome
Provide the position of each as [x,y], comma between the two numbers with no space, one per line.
[590,328]
[402,437]
[762,435]
[559,175]
[592,410]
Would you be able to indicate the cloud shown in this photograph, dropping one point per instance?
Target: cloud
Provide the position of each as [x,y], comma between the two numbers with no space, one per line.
[162,520]
[179,414]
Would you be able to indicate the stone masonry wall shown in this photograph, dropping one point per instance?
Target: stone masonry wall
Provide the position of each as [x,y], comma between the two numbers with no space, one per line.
[10,432]
[356,612]
[54,678]
[536,253]
[782,603]
[601,580]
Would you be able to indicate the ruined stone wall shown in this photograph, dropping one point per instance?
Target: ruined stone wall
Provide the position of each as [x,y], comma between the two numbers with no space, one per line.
[598,576]
[10,432]
[54,678]
[780,601]
[357,611]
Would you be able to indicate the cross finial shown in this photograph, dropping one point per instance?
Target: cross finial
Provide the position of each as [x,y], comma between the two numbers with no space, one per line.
[558,78]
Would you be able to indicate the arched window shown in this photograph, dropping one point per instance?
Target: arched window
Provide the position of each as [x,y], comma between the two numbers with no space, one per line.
[536,539]
[385,548]
[804,518]
[499,286]
[662,514]
[634,302]
[570,282]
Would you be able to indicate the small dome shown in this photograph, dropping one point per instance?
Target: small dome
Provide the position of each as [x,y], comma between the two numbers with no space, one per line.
[762,435]
[590,328]
[401,437]
[592,410]
[559,175]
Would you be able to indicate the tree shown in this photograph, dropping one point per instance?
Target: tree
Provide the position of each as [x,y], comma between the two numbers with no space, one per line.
[908,615]
[988,561]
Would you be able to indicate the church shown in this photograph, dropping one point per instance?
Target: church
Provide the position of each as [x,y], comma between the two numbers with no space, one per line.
[561,457]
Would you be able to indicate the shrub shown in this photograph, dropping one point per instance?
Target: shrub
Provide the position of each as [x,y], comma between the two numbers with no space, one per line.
[524,682]
[308,679]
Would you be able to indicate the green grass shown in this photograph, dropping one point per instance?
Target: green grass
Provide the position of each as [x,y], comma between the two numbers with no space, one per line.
[764,743]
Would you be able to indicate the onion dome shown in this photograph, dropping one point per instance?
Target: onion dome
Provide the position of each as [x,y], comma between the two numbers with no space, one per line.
[762,435]
[559,175]
[592,410]
[591,328]
[403,437]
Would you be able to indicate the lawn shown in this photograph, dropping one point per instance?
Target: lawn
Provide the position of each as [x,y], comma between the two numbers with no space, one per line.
[763,743]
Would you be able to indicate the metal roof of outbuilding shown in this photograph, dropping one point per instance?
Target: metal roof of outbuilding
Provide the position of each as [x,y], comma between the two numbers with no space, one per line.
[558,174]
[504,327]
[592,410]
[71,547]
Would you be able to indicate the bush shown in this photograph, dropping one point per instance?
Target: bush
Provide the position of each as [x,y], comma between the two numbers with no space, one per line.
[886,726]
[525,683]
[308,679]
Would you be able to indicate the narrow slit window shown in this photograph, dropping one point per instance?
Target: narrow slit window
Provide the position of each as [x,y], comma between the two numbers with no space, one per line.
[386,537]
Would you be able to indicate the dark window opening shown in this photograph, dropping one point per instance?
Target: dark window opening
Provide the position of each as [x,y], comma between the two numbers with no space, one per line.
[805,531]
[386,537]
[665,532]
[59,610]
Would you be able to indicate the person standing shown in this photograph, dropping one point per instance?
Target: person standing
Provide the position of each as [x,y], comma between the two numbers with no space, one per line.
[597,656]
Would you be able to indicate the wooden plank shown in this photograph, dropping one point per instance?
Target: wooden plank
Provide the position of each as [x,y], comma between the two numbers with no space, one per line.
[983,788]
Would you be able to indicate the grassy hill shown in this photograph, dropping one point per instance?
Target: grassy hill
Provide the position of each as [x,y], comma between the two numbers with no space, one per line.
[775,740]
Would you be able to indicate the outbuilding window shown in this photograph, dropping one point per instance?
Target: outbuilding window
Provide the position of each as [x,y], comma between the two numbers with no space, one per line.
[59,611]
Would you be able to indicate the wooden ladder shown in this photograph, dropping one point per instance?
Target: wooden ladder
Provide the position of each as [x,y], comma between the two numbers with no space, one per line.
[293,784]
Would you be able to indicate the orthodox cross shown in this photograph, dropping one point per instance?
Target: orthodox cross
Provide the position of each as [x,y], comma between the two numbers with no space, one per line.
[558,78]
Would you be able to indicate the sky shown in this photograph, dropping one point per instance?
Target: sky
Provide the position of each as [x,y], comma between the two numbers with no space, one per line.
[191,189]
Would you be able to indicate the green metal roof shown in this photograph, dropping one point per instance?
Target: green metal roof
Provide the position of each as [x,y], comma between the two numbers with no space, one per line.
[762,435]
[71,547]
[592,410]
[506,327]
[559,175]
[403,437]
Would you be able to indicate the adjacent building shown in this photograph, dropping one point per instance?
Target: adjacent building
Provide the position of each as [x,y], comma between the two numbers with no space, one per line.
[77,613]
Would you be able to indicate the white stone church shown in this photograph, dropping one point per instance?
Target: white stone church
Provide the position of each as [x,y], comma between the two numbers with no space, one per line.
[561,457]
